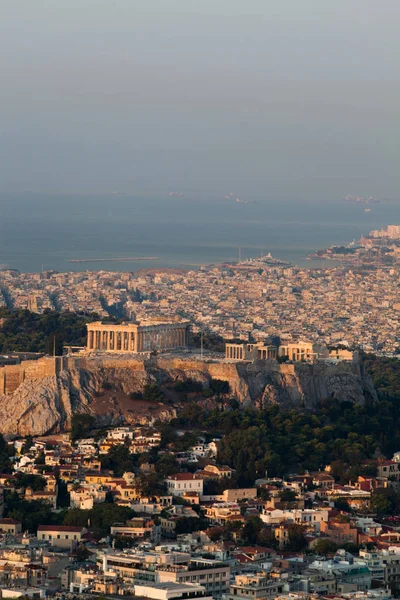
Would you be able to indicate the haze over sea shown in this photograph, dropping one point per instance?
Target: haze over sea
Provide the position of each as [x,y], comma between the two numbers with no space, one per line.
[49,230]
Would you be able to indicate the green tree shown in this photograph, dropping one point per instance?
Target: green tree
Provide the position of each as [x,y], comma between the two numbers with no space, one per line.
[190,524]
[81,425]
[36,482]
[28,443]
[100,518]
[150,485]
[82,554]
[385,502]
[30,513]
[251,530]
[119,460]
[325,546]
[287,495]
[296,538]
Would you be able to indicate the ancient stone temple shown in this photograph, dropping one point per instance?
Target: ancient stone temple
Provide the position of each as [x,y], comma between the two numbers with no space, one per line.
[146,336]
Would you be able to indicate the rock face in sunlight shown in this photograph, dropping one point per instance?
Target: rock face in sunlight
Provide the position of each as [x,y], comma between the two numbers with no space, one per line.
[110,389]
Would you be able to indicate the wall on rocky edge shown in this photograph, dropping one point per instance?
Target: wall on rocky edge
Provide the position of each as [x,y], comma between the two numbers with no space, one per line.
[45,399]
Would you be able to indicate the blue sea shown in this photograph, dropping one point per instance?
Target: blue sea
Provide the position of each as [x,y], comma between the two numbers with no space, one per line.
[46,231]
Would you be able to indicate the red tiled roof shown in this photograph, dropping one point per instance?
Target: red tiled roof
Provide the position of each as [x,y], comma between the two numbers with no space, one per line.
[71,528]
[184,477]
[9,522]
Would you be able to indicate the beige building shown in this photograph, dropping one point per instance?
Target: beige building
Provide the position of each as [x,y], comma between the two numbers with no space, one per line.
[305,351]
[184,482]
[61,536]
[147,336]
[250,351]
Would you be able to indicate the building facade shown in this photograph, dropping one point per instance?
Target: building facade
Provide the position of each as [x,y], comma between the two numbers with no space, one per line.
[297,351]
[147,336]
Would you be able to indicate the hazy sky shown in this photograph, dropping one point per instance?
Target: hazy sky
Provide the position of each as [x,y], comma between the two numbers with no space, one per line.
[282,98]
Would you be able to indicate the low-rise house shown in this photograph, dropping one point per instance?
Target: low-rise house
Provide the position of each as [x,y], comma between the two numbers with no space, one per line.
[61,536]
[191,497]
[339,531]
[220,512]
[346,571]
[184,482]
[87,446]
[218,472]
[234,495]
[120,434]
[357,499]
[137,527]
[389,469]
[171,591]
[323,480]
[374,561]
[255,554]
[254,586]
[10,526]
[86,496]
[69,472]
[44,496]
[309,517]
[101,478]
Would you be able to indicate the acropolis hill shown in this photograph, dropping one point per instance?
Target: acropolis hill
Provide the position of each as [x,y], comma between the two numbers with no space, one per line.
[39,397]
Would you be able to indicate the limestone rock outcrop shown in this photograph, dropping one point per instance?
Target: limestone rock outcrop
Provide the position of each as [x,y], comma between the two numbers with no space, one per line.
[102,386]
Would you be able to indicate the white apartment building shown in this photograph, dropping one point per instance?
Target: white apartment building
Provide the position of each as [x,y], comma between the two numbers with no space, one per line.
[184,482]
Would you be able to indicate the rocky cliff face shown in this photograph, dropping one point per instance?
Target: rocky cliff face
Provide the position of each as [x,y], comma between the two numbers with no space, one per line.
[101,387]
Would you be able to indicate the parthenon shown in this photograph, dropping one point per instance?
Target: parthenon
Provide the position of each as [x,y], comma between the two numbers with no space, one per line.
[147,336]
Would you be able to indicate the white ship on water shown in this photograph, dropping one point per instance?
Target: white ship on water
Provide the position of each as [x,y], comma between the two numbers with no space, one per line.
[263,261]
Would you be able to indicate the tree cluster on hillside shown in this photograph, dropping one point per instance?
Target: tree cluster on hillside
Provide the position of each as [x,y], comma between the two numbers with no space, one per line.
[385,373]
[25,331]
[100,518]
[281,441]
[211,341]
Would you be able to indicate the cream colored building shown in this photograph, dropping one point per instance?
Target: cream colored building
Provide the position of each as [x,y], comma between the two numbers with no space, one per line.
[305,351]
[147,336]
[250,351]
[296,351]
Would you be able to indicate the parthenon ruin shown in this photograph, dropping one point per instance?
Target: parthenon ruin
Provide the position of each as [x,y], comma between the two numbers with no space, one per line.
[147,336]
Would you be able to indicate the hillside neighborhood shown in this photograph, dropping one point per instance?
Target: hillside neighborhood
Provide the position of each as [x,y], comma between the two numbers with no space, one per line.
[124,511]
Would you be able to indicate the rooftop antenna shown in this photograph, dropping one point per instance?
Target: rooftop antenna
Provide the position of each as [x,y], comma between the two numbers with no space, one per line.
[240,254]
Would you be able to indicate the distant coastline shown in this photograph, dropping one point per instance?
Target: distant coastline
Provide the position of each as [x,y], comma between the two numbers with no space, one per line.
[91,260]
[45,233]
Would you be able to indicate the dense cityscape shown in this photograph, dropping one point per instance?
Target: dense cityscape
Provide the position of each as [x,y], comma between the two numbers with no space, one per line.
[199,388]
[214,499]
[338,305]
